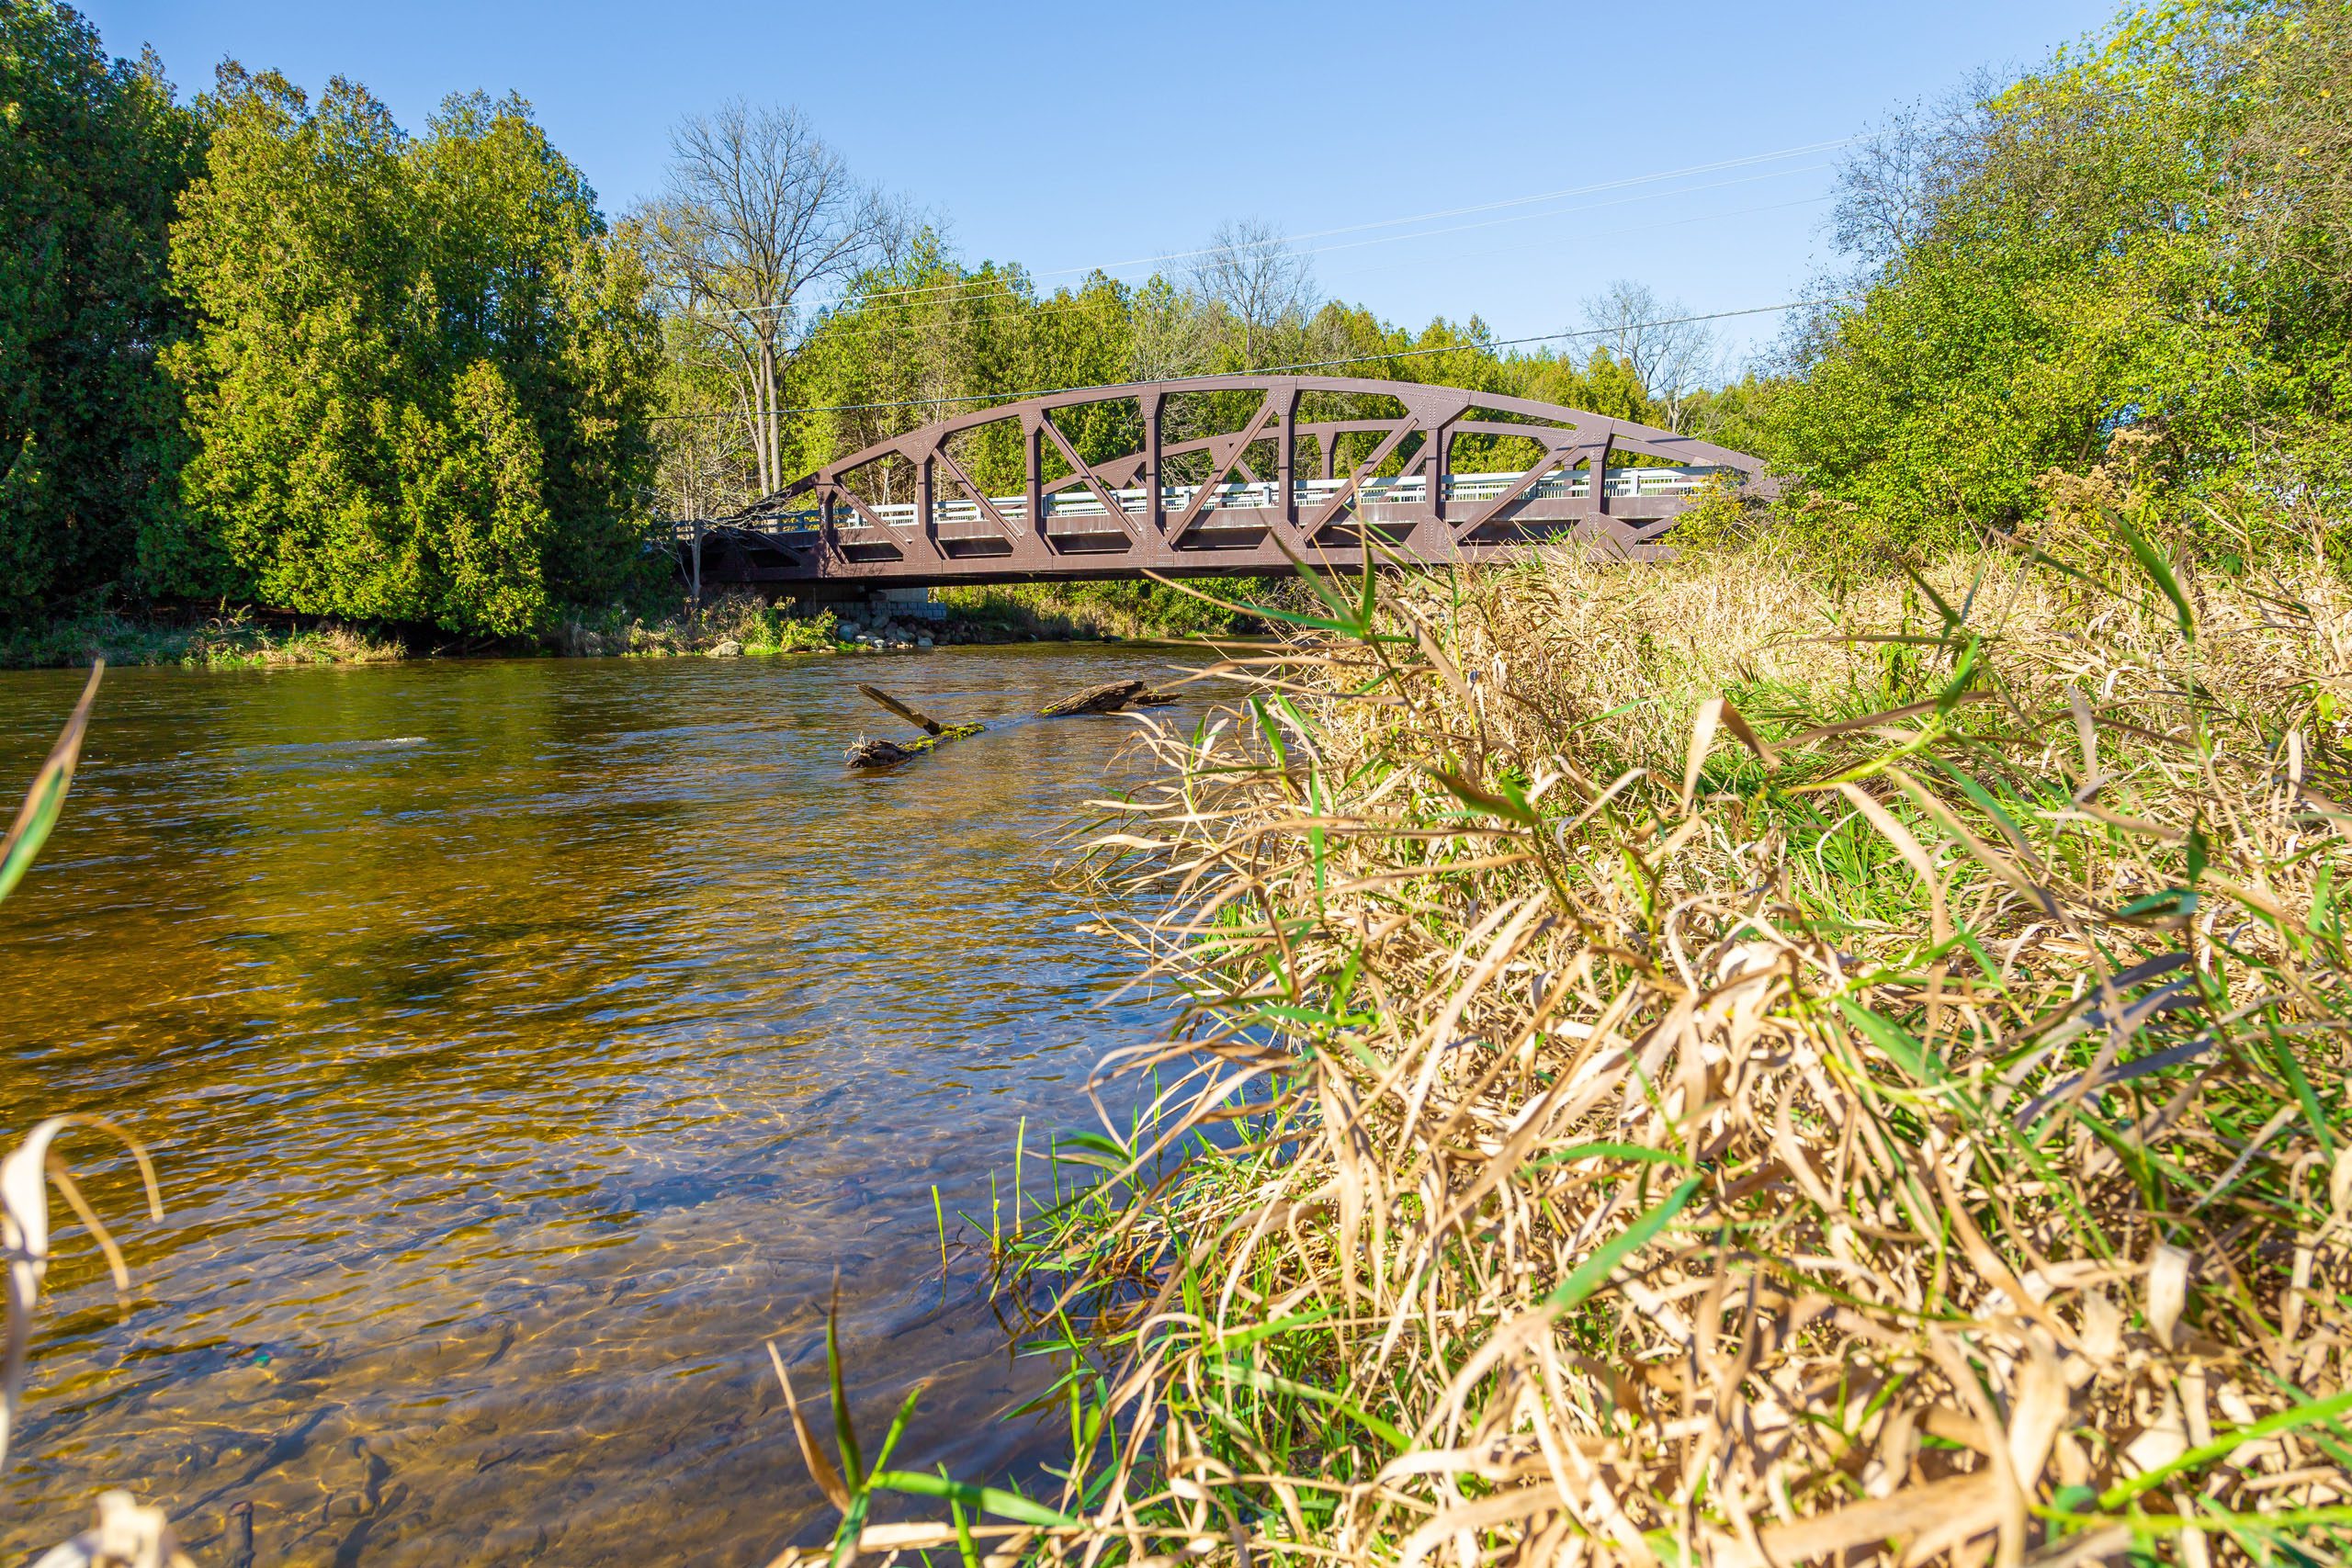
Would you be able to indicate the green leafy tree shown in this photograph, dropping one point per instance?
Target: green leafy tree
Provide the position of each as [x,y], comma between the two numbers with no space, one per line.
[2143,236]
[92,153]
[420,384]
[475,488]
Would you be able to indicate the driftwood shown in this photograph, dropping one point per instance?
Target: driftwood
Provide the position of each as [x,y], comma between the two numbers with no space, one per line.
[1109,697]
[869,753]
[923,722]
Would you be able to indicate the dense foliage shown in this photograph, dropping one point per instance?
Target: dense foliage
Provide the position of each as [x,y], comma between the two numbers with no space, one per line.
[92,153]
[2149,236]
[429,407]
[275,351]
[257,349]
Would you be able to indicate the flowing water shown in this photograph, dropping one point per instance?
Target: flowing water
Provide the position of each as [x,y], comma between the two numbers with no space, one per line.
[522,1042]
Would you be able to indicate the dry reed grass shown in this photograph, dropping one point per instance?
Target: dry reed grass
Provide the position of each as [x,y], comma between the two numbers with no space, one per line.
[1688,1073]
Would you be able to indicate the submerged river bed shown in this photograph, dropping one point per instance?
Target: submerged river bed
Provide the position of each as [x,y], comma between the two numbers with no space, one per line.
[522,1043]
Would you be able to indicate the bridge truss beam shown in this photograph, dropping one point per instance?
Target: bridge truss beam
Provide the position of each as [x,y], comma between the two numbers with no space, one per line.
[1122,516]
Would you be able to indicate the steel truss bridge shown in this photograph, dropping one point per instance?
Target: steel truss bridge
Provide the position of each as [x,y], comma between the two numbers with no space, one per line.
[906,511]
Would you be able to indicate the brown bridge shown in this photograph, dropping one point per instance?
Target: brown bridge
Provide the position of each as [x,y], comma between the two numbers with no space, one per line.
[1470,476]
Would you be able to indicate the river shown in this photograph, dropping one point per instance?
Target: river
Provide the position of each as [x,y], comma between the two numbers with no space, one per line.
[522,1043]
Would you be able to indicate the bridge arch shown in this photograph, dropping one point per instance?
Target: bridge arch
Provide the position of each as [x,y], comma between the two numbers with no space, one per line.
[1231,474]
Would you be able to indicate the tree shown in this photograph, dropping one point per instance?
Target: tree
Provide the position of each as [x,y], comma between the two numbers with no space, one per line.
[1895,180]
[1172,334]
[93,153]
[758,212]
[2141,258]
[1670,356]
[2134,239]
[418,386]
[2291,173]
[703,453]
[1264,284]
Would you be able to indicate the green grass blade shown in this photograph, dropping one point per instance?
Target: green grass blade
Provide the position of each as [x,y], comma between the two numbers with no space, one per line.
[1594,1271]
[980,1499]
[845,1434]
[2205,1453]
[46,798]
[1266,1382]
[2159,570]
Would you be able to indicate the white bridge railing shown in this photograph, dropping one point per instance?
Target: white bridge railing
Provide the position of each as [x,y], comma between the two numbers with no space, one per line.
[1409,489]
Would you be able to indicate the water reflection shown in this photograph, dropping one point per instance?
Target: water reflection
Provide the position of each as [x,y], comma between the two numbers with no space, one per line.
[522,1042]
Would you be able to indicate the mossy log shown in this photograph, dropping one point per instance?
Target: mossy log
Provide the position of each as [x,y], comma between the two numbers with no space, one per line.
[869,753]
[1109,697]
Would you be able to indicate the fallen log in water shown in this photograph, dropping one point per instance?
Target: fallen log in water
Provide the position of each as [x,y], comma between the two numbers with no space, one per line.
[1110,697]
[923,722]
[869,753]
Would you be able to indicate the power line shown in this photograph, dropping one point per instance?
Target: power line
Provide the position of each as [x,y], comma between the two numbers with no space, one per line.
[857,328]
[862,332]
[880,296]
[1464,347]
[1708,217]
[1546,196]
[1059,302]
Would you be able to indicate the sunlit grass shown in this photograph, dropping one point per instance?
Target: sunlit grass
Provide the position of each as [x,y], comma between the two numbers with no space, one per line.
[1687,1070]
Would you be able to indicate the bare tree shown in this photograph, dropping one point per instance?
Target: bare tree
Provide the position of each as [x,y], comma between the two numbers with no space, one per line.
[1891,184]
[1890,192]
[758,212]
[1174,332]
[1259,278]
[1670,356]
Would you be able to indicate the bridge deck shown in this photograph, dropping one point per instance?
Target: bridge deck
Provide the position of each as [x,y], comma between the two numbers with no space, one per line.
[1249,504]
[1234,533]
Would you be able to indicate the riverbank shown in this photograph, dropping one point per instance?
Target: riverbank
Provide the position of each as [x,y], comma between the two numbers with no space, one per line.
[725,626]
[223,641]
[1692,1068]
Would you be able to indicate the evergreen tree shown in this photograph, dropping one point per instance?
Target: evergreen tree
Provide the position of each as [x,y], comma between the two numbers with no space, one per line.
[419,384]
[91,154]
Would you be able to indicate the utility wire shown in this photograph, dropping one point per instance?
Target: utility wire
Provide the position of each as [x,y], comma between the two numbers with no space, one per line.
[880,313]
[885,294]
[1525,201]
[1466,346]
[856,327]
[1711,216]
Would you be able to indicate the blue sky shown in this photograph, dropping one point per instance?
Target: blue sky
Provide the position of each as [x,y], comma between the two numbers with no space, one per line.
[1065,136]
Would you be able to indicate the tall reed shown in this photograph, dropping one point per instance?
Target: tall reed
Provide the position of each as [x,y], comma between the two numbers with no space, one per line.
[1685,1071]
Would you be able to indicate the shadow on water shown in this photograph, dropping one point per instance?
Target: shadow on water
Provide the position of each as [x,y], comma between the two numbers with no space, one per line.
[522,1042]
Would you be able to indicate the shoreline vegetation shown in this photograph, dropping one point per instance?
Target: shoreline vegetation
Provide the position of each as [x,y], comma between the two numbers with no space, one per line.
[723,625]
[1684,1069]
